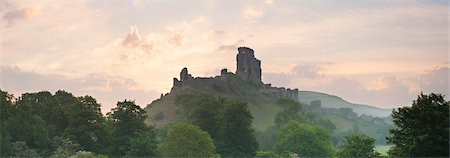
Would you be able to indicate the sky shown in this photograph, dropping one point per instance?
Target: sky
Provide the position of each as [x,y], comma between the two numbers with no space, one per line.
[381,53]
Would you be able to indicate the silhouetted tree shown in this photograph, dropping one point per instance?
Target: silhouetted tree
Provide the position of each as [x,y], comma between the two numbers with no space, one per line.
[422,129]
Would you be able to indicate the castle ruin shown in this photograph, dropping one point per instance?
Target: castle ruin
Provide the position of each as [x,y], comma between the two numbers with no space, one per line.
[248,69]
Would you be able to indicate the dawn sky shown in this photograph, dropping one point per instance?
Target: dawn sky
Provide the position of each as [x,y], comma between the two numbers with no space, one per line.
[381,53]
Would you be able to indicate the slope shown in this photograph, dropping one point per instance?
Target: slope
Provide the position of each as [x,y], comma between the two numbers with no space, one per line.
[331,101]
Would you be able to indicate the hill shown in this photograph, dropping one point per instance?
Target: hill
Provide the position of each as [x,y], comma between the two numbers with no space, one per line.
[331,101]
[246,84]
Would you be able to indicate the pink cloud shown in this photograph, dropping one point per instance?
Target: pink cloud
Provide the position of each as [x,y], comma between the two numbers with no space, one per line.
[134,41]
[391,91]
[24,13]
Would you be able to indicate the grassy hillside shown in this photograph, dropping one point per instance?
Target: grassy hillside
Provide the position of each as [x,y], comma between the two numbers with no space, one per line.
[331,101]
[263,108]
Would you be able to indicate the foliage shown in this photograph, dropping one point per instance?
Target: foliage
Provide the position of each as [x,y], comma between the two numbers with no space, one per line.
[265,154]
[144,144]
[6,111]
[304,140]
[127,119]
[184,140]
[237,138]
[202,109]
[63,147]
[86,124]
[20,149]
[358,146]
[290,111]
[422,129]
[227,120]
[87,154]
[266,138]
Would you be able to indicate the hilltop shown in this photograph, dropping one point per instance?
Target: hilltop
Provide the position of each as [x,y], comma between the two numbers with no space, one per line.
[246,83]
[332,101]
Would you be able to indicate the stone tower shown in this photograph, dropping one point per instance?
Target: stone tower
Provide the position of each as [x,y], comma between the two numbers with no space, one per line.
[248,67]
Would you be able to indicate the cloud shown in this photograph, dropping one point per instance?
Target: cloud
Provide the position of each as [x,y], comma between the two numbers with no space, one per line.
[435,80]
[307,71]
[24,13]
[268,2]
[390,91]
[252,13]
[107,89]
[134,41]
[231,47]
[175,39]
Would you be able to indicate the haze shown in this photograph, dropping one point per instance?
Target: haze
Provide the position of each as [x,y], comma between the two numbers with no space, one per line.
[381,53]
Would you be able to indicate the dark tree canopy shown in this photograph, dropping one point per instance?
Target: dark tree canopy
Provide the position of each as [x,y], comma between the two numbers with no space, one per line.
[237,138]
[144,144]
[422,129]
[203,110]
[126,121]
[86,124]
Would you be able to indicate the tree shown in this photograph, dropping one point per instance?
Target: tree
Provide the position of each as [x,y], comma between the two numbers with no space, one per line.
[203,110]
[6,112]
[184,140]
[144,144]
[127,119]
[304,140]
[63,147]
[290,110]
[86,124]
[422,129]
[20,149]
[358,146]
[236,138]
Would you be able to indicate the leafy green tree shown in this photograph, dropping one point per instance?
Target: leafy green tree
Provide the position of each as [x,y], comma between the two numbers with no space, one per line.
[422,129]
[202,110]
[86,124]
[57,111]
[184,140]
[6,112]
[304,140]
[358,146]
[290,110]
[144,144]
[237,138]
[30,129]
[127,119]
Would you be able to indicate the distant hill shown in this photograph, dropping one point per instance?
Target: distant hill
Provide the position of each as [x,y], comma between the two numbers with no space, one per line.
[331,101]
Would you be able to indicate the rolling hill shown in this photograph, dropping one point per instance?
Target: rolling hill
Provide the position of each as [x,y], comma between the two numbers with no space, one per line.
[331,101]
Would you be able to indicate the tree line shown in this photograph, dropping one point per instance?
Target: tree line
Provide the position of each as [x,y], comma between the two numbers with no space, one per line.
[61,125]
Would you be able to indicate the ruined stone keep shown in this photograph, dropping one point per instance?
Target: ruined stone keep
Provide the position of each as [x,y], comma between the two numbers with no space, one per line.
[248,67]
